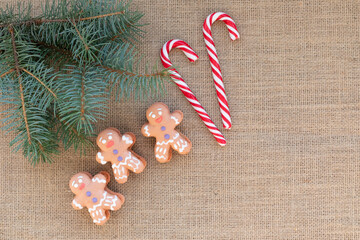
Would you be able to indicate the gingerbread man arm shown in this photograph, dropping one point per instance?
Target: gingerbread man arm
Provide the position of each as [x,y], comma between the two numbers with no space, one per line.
[76,203]
[177,117]
[146,130]
[100,179]
[128,139]
[102,157]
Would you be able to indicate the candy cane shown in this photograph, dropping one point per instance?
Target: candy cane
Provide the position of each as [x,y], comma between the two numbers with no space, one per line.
[189,52]
[216,72]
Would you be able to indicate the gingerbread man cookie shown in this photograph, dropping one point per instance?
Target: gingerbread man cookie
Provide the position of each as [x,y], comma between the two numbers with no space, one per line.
[91,192]
[162,125]
[115,148]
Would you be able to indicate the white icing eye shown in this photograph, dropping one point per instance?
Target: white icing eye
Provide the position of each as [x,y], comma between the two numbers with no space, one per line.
[103,141]
[80,180]
[109,137]
[75,185]
[153,116]
[160,113]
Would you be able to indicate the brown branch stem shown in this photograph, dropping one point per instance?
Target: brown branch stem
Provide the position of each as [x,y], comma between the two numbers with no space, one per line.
[41,21]
[102,16]
[41,82]
[81,37]
[17,68]
[8,72]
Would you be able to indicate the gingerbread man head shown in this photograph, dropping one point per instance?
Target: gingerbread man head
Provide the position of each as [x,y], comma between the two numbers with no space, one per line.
[106,140]
[157,114]
[79,182]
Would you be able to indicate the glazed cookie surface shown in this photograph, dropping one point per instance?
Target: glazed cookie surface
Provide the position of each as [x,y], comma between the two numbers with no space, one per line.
[92,192]
[162,125]
[116,149]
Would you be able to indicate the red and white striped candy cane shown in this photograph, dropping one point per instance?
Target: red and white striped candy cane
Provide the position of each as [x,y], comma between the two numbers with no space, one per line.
[219,84]
[189,52]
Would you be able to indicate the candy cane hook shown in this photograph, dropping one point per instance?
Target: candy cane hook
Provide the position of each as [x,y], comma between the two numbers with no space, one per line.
[189,52]
[214,61]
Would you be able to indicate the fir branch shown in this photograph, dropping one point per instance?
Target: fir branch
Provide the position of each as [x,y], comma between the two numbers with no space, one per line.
[163,73]
[80,36]
[83,97]
[58,70]
[32,124]
[83,46]
[17,68]
[123,76]
[41,82]
[42,21]
[71,137]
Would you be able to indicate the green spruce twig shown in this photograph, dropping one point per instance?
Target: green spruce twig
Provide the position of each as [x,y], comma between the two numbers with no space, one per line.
[59,70]
[17,69]
[42,21]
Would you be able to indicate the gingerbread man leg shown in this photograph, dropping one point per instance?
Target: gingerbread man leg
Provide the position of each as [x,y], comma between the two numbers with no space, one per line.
[181,144]
[162,152]
[121,173]
[99,215]
[109,201]
[133,163]
[113,201]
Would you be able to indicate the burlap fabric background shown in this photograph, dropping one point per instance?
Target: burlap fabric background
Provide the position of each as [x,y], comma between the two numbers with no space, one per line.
[291,167]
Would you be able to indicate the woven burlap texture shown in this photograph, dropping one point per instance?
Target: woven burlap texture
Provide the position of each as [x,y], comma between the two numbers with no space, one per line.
[291,167]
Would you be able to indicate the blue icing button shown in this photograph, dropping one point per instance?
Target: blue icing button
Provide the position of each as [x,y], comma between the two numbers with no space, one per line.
[88,193]
[115,151]
[163,128]
[120,158]
[167,136]
[94,200]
